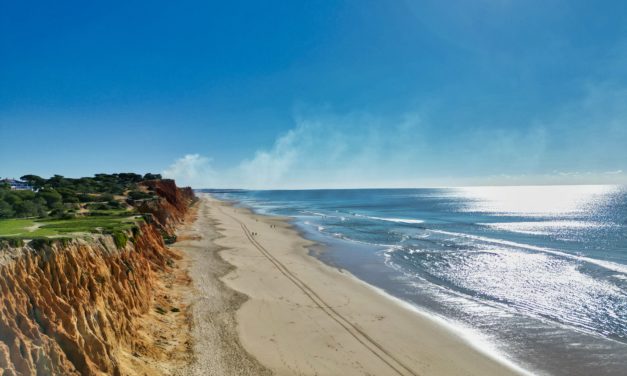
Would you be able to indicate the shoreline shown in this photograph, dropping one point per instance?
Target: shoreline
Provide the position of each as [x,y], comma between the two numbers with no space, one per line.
[471,336]
[304,316]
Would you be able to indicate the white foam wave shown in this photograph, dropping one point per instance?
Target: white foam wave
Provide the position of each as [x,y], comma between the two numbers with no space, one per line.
[474,338]
[316,213]
[604,264]
[398,220]
[543,227]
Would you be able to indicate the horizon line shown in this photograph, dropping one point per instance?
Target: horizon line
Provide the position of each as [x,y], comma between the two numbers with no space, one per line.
[424,187]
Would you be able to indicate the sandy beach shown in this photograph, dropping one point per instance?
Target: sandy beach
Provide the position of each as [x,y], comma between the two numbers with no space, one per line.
[262,305]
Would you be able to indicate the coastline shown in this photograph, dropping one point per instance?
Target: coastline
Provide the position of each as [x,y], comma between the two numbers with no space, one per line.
[299,315]
[106,300]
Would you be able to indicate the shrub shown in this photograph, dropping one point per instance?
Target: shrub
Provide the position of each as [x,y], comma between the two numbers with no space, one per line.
[71,200]
[68,215]
[40,243]
[150,176]
[84,197]
[114,204]
[106,197]
[167,238]
[26,209]
[97,206]
[6,210]
[57,213]
[139,195]
[52,197]
[13,242]
[120,239]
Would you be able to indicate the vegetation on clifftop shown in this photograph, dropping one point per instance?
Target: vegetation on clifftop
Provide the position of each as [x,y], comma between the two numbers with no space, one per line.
[58,205]
[59,196]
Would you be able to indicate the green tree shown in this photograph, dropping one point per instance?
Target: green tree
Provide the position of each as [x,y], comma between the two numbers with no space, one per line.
[34,180]
[53,198]
[25,195]
[26,209]
[129,177]
[12,198]
[67,195]
[6,210]
[106,197]
[150,176]
[58,212]
[42,207]
[83,197]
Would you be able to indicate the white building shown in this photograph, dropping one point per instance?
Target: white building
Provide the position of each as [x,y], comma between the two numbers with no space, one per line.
[17,185]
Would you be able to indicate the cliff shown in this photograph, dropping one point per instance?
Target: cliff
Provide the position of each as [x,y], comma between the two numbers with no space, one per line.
[75,307]
[170,207]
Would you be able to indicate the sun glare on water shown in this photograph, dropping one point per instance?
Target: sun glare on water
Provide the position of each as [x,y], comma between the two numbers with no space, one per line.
[548,201]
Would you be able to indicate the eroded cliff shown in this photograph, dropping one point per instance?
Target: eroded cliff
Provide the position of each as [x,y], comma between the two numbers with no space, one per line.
[76,306]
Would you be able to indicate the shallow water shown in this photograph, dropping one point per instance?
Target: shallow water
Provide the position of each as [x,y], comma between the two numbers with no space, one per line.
[541,272]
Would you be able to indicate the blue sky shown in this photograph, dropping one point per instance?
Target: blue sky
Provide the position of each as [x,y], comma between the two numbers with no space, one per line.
[317,93]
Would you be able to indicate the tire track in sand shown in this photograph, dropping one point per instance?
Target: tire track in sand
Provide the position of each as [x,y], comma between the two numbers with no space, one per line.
[368,342]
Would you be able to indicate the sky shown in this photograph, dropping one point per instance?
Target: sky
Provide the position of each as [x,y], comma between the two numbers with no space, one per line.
[317,94]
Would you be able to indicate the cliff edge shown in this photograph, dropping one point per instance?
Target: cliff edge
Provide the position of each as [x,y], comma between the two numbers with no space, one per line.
[83,306]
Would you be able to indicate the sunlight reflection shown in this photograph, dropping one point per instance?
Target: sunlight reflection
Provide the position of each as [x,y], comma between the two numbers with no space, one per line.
[535,200]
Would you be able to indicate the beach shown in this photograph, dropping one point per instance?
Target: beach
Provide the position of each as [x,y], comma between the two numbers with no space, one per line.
[261,304]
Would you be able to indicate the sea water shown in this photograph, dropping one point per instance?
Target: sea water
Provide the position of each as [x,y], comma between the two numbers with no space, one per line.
[540,272]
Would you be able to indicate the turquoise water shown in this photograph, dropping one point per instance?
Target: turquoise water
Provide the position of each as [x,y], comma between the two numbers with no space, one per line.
[541,272]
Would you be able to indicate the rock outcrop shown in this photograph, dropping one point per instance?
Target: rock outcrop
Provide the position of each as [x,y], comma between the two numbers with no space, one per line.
[67,307]
[170,207]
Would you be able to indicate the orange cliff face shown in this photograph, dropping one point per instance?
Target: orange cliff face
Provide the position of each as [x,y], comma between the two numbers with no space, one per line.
[68,307]
[172,205]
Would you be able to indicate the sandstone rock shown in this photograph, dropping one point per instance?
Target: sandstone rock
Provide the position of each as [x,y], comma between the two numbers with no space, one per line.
[66,308]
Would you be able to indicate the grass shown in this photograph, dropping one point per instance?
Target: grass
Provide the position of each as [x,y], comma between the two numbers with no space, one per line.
[10,227]
[91,224]
[111,213]
[86,218]
[25,228]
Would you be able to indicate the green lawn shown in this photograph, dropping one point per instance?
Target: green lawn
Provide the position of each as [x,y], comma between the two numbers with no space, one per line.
[9,227]
[27,228]
[90,224]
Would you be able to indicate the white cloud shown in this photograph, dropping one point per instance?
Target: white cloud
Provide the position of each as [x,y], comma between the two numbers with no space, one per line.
[192,169]
[348,151]
[353,150]
[581,141]
[361,150]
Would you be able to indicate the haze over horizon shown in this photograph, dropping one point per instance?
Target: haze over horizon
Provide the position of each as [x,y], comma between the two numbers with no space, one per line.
[317,95]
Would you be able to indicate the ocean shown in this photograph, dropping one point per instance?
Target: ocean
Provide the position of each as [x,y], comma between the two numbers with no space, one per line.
[537,274]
